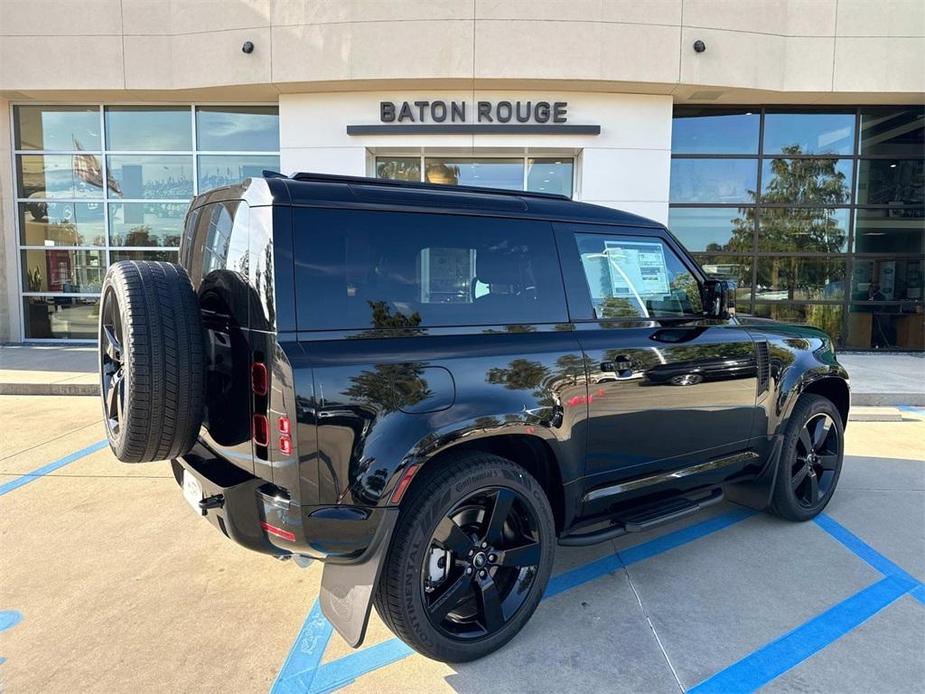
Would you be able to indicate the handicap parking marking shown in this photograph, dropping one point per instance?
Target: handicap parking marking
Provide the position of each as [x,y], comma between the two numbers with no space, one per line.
[40,472]
[783,654]
[302,672]
[8,620]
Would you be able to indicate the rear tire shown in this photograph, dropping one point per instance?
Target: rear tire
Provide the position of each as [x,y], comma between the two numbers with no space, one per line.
[810,460]
[498,586]
[151,361]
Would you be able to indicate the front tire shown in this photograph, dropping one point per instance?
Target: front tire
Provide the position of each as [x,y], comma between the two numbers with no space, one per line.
[811,459]
[469,559]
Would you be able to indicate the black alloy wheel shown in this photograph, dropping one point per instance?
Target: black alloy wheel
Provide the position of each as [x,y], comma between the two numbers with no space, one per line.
[481,563]
[113,368]
[810,459]
[816,460]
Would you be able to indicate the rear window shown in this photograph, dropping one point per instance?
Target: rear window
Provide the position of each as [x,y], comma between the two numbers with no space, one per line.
[358,269]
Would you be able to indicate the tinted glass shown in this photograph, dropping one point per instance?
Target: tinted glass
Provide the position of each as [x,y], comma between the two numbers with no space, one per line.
[237,128]
[399,270]
[803,229]
[59,176]
[57,127]
[60,317]
[146,223]
[885,326]
[550,176]
[636,277]
[714,180]
[163,176]
[713,228]
[800,278]
[399,168]
[145,128]
[714,131]
[887,279]
[120,254]
[733,268]
[57,270]
[61,224]
[488,173]
[227,169]
[894,132]
[826,317]
[806,181]
[889,231]
[891,182]
[808,133]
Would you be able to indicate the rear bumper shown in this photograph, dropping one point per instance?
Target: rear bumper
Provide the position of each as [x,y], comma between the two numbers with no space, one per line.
[249,511]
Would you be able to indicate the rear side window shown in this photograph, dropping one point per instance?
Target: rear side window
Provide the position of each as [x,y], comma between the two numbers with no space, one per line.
[359,269]
[636,277]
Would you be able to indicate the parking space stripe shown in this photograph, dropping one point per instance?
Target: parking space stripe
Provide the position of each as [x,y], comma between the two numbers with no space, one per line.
[51,467]
[788,651]
[345,670]
[864,551]
[612,562]
[298,672]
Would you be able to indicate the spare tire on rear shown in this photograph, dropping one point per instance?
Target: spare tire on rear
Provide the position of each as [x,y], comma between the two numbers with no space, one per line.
[151,361]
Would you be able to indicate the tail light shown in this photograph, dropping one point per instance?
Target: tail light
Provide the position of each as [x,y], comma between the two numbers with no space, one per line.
[259,380]
[261,430]
[285,435]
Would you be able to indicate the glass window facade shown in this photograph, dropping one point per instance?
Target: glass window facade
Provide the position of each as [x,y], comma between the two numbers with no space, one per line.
[539,174]
[100,184]
[819,215]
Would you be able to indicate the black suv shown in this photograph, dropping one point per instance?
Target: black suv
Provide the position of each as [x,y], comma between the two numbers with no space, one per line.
[429,387]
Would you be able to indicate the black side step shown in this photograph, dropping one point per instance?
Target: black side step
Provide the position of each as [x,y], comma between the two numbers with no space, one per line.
[646,518]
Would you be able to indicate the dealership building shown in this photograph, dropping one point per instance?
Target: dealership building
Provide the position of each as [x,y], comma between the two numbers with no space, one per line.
[782,141]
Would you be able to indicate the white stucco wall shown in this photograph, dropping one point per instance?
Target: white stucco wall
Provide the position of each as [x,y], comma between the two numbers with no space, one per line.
[627,166]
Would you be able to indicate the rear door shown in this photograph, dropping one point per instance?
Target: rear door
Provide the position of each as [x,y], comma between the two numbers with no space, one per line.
[668,388]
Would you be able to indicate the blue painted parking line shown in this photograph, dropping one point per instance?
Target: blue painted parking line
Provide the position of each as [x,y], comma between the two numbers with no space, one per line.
[9,619]
[345,670]
[779,656]
[866,552]
[38,473]
[298,672]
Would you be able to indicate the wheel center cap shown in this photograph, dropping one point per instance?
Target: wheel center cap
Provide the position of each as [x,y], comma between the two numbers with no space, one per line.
[479,560]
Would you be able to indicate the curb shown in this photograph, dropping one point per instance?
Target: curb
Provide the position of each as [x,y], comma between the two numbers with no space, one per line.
[49,389]
[888,399]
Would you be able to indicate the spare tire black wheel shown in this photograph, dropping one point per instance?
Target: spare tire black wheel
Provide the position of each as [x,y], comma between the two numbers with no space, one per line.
[151,361]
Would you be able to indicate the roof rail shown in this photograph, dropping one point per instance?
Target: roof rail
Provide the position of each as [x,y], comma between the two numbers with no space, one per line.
[367,181]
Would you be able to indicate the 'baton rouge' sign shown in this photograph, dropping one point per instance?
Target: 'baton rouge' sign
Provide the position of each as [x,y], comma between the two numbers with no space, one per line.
[479,117]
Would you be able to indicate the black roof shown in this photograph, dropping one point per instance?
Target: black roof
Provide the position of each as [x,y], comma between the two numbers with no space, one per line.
[330,190]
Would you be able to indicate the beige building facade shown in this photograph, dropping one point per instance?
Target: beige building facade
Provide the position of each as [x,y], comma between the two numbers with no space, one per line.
[698,113]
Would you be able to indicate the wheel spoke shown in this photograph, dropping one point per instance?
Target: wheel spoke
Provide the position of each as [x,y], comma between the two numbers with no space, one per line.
[450,536]
[821,433]
[525,555]
[806,440]
[499,513]
[120,394]
[450,598]
[798,478]
[113,406]
[492,616]
[828,462]
[113,346]
[813,488]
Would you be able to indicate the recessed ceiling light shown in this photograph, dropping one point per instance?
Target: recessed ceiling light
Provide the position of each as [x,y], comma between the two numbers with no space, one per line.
[893,166]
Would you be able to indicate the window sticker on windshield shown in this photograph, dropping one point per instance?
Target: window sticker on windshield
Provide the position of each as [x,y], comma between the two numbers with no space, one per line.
[639,267]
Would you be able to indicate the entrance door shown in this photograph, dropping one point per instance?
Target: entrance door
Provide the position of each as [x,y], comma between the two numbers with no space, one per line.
[668,388]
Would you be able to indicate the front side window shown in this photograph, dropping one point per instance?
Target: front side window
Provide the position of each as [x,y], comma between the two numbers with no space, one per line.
[635,277]
[360,270]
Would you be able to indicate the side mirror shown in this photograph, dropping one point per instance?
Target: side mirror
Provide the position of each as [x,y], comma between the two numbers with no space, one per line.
[719,299]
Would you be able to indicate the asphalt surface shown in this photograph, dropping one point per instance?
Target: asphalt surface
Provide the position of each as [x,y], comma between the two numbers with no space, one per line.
[110,583]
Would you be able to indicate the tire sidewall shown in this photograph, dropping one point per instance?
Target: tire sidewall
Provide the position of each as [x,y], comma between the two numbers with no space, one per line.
[786,501]
[116,281]
[423,523]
